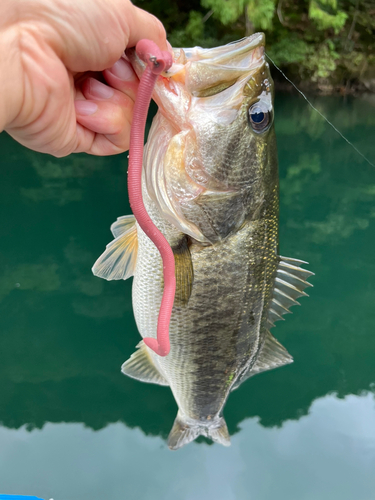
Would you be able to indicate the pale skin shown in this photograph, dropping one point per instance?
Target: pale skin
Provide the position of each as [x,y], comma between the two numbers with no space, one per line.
[65,86]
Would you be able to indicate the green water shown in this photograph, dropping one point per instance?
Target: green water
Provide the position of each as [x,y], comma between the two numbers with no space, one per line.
[74,428]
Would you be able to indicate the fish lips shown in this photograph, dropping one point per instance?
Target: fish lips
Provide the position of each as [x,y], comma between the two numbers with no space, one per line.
[204,72]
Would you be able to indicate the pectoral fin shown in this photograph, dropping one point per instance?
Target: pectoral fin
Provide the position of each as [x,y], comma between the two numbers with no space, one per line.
[141,367]
[122,225]
[184,272]
[119,259]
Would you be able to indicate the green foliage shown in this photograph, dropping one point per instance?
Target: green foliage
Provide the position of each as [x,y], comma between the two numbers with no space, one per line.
[195,27]
[289,50]
[320,43]
[193,34]
[261,13]
[325,20]
[321,61]
[227,11]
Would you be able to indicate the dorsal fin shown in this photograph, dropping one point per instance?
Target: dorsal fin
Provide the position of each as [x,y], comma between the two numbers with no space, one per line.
[272,355]
[119,259]
[290,283]
[141,367]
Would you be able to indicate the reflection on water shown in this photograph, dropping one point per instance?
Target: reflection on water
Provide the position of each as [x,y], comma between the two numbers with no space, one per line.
[59,179]
[65,333]
[328,454]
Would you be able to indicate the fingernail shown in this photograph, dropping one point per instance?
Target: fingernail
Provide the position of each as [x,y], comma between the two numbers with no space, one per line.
[85,108]
[98,89]
[122,70]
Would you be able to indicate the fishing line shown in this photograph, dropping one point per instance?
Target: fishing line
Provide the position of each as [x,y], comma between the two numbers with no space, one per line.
[317,110]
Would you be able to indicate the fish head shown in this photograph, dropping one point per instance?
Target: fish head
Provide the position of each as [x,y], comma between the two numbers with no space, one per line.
[215,124]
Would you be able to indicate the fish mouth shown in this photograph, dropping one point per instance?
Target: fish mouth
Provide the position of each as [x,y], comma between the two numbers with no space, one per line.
[240,54]
[202,72]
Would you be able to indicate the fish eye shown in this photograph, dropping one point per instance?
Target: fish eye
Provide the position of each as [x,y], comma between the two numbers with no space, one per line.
[259,116]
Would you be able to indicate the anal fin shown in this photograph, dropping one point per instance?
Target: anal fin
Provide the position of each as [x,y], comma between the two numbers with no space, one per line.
[272,355]
[290,283]
[141,367]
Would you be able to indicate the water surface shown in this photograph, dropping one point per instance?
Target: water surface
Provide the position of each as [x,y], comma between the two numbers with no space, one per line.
[73,427]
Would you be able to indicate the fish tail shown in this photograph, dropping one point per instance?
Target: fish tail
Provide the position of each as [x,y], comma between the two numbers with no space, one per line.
[185,430]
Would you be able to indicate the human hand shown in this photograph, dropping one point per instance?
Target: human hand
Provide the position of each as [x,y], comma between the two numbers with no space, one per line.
[64,86]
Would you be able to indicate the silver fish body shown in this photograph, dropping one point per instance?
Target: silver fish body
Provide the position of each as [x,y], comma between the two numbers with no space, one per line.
[210,184]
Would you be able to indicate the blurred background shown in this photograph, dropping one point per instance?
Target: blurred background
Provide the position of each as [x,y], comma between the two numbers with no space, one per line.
[323,45]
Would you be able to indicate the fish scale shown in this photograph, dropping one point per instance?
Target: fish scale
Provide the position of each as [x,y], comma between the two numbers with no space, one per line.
[210,337]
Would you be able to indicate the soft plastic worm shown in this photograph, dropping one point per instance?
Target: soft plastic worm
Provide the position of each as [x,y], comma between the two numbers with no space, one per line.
[156,62]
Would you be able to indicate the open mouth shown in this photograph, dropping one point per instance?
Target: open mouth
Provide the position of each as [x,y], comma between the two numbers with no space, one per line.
[200,69]
[240,54]
[205,72]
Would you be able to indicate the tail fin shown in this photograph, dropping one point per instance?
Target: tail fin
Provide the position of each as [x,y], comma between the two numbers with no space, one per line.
[186,430]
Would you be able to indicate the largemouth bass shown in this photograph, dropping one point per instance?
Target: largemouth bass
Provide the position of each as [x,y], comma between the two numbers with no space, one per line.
[210,184]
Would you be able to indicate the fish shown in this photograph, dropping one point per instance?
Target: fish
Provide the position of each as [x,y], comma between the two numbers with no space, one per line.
[210,184]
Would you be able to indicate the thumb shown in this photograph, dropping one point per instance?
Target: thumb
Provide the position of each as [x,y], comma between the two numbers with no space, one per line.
[94,39]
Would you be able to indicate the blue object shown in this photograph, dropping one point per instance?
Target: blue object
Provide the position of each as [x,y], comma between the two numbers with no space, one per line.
[18,497]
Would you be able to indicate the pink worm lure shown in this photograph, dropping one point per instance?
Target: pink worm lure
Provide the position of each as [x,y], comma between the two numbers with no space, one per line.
[156,62]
